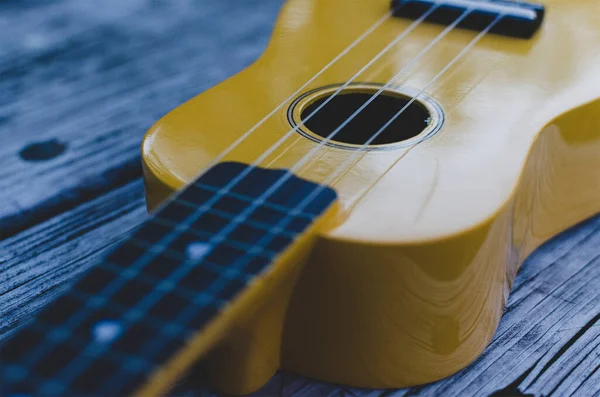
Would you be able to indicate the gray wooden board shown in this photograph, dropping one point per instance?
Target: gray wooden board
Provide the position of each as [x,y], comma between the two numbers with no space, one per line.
[108,71]
[86,80]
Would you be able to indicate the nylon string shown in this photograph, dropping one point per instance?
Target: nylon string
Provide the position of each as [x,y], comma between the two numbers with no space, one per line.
[75,368]
[39,353]
[190,312]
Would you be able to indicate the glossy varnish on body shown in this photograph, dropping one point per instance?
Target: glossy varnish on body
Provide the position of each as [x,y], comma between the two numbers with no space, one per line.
[410,287]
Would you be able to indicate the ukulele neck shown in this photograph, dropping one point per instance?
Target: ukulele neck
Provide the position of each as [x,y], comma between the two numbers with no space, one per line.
[138,320]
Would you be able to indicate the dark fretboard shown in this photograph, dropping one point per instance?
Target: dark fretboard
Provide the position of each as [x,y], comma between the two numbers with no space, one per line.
[127,316]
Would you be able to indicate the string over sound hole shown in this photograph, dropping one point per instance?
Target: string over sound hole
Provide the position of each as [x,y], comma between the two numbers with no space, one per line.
[361,115]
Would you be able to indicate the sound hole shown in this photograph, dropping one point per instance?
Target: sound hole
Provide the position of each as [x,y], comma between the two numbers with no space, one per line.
[370,121]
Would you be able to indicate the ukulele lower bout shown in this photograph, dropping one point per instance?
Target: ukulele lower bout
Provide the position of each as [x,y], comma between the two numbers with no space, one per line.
[409,285]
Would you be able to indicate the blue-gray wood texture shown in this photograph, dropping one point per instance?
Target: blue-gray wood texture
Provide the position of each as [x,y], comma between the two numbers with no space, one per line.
[81,81]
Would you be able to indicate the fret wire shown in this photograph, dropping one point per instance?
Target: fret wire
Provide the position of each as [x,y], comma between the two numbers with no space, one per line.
[203,235]
[215,283]
[241,197]
[24,372]
[35,355]
[175,255]
[113,355]
[227,230]
[118,283]
[135,270]
[315,193]
[149,320]
[187,315]
[219,280]
[141,309]
[75,342]
[77,365]
[114,286]
[258,225]
[83,296]
[190,312]
[179,290]
[218,269]
[154,321]
[364,35]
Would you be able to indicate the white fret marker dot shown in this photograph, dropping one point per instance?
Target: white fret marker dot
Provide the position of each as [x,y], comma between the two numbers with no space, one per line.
[196,250]
[106,331]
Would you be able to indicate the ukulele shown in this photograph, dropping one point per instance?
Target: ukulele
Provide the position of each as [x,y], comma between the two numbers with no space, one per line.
[353,207]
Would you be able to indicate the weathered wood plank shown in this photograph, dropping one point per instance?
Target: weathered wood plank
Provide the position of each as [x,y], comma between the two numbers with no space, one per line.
[91,79]
[548,340]
[86,80]
[39,263]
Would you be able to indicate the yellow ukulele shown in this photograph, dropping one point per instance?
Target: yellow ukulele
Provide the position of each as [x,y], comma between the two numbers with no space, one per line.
[353,207]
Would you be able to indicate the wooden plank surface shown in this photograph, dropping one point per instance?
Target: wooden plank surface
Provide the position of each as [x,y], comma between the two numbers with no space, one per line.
[108,72]
[80,83]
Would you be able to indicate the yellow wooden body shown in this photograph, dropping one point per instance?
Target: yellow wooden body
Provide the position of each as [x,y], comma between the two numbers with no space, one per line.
[410,285]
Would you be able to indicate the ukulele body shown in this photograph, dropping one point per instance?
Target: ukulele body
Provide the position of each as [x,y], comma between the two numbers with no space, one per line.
[409,285]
